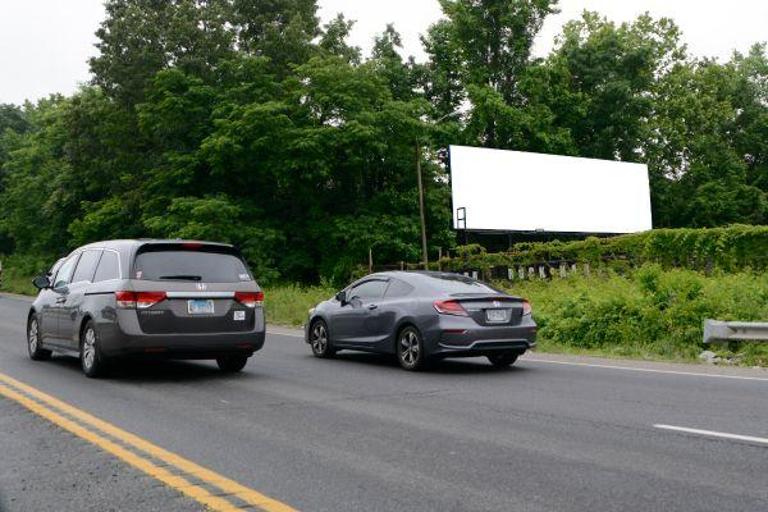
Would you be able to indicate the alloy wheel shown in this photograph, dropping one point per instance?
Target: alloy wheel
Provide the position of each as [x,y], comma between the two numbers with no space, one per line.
[410,349]
[89,348]
[320,342]
[33,336]
[319,338]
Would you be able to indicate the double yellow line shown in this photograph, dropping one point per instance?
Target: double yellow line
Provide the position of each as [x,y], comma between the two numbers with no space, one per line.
[214,491]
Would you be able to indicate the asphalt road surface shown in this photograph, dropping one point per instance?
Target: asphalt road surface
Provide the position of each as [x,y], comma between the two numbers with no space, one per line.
[357,433]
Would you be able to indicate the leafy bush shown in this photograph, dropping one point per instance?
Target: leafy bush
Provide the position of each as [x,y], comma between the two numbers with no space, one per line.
[289,304]
[18,272]
[730,249]
[649,312]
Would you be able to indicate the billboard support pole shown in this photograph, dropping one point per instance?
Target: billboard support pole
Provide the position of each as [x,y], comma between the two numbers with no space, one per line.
[424,255]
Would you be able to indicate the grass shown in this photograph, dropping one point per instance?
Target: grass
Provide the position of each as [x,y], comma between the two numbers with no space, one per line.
[289,304]
[18,273]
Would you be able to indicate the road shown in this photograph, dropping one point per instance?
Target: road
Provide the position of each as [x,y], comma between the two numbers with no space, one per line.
[356,433]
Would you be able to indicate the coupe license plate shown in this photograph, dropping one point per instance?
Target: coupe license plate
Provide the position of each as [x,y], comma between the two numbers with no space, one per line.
[200,307]
[496,316]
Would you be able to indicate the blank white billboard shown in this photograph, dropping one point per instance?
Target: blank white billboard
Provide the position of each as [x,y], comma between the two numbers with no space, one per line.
[515,191]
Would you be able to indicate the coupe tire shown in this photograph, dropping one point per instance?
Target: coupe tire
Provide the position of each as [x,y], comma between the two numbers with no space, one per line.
[503,360]
[92,360]
[410,350]
[319,340]
[231,364]
[34,346]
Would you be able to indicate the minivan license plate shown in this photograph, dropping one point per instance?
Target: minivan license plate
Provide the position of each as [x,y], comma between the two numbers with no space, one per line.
[496,315]
[200,307]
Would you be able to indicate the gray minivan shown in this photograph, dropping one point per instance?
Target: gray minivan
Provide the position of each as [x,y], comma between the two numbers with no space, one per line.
[151,298]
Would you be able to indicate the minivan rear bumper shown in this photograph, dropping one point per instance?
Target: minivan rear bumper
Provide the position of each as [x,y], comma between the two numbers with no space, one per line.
[124,338]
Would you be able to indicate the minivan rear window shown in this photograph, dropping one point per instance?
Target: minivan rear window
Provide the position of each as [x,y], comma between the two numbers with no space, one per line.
[189,265]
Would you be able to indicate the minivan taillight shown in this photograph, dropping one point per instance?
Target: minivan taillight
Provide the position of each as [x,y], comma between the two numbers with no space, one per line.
[139,300]
[450,307]
[249,299]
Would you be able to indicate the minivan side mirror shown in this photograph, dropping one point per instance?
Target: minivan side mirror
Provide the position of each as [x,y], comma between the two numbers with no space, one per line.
[41,282]
[342,297]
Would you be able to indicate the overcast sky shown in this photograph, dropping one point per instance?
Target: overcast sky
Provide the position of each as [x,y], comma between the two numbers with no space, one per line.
[44,44]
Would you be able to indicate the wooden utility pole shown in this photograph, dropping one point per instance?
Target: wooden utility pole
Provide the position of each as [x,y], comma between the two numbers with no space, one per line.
[370,260]
[424,255]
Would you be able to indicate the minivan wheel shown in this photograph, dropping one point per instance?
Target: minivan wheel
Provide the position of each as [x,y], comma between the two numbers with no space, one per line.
[231,363]
[92,360]
[319,340]
[504,359]
[34,347]
[410,350]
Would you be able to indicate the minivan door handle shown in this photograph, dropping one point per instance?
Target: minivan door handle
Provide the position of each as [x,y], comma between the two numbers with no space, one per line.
[371,307]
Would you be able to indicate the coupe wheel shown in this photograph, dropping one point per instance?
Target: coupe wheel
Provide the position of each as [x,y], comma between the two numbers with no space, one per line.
[91,359]
[503,360]
[34,347]
[410,350]
[231,364]
[319,341]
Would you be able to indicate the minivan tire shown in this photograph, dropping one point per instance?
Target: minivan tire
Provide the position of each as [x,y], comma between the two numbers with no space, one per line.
[34,345]
[231,363]
[92,360]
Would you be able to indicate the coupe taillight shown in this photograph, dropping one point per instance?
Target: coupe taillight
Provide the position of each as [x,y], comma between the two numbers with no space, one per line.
[139,300]
[450,307]
[249,299]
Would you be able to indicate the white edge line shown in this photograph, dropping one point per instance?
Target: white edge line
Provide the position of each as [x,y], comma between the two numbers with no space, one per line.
[604,366]
[647,370]
[712,433]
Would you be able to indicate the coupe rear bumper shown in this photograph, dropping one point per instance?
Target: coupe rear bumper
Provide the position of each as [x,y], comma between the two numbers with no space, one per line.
[460,338]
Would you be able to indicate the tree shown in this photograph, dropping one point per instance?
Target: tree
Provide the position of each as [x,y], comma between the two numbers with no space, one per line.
[481,53]
[334,40]
[138,38]
[611,72]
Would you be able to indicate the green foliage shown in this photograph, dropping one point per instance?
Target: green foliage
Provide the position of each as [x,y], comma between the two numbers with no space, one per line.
[289,304]
[18,272]
[730,249]
[650,312]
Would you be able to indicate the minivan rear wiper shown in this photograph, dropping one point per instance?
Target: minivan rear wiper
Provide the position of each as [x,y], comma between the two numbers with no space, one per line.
[182,278]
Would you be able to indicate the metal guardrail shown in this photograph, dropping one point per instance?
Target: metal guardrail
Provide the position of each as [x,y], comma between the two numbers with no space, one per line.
[716,331]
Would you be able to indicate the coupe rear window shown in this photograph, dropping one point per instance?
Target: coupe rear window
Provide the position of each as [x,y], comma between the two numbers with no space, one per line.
[190,265]
[456,284]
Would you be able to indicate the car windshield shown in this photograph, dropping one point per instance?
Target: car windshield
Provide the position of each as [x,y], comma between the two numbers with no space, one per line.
[459,285]
[190,265]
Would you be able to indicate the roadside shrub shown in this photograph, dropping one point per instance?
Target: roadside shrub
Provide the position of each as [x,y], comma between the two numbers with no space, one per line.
[288,304]
[18,272]
[650,312]
[731,249]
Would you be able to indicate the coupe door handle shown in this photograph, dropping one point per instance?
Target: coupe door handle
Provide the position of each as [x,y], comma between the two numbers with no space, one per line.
[371,307]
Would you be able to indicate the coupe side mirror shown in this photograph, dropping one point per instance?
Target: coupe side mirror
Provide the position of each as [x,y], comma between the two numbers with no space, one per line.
[342,297]
[41,282]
